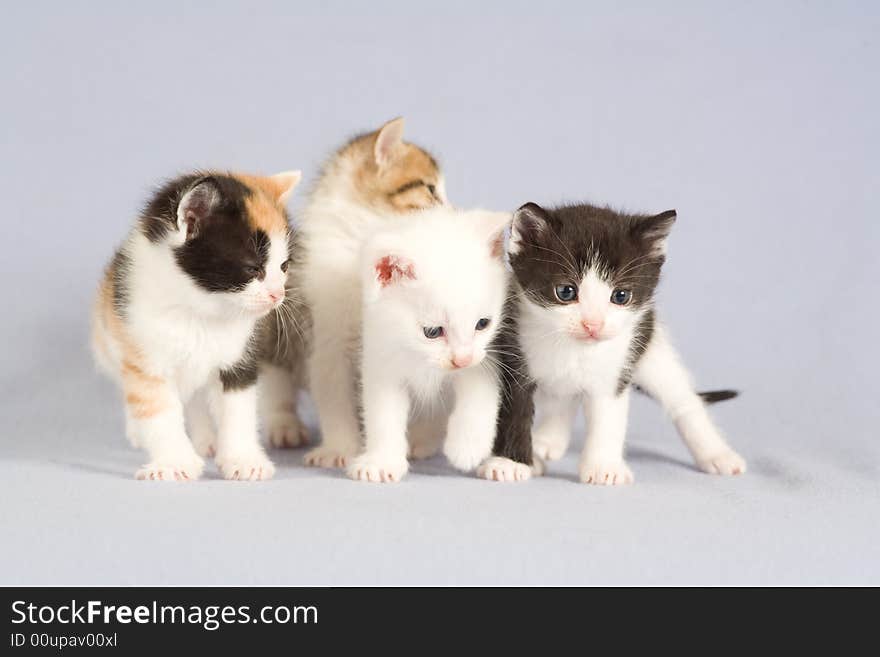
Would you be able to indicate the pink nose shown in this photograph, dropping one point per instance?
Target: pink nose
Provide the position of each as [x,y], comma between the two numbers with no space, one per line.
[592,327]
[462,360]
[276,295]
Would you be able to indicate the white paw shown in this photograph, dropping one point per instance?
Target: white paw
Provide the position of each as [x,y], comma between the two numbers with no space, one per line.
[727,462]
[251,465]
[498,468]
[375,468]
[285,430]
[606,473]
[186,468]
[548,445]
[328,457]
[466,451]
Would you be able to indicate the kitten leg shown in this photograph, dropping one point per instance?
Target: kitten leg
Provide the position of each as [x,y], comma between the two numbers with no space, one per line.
[512,456]
[155,421]
[278,396]
[332,376]
[239,453]
[661,373]
[471,428]
[602,459]
[386,406]
[426,432]
[200,425]
[551,437]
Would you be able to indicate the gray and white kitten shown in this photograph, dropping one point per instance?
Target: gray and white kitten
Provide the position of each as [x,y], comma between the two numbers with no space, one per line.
[581,332]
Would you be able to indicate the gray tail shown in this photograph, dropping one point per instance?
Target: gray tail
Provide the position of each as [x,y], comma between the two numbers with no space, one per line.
[710,396]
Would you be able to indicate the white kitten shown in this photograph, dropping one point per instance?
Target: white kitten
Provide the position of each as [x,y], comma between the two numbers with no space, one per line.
[372,180]
[434,291]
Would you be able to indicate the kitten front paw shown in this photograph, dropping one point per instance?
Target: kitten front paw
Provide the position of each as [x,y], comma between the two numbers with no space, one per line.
[498,468]
[328,457]
[605,473]
[375,468]
[548,445]
[251,465]
[466,451]
[172,469]
[726,462]
[284,430]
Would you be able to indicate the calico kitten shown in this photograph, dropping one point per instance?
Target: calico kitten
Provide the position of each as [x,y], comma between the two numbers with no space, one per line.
[585,322]
[368,183]
[434,288]
[176,318]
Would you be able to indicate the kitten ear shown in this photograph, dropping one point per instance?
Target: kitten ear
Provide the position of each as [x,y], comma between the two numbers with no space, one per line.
[392,269]
[493,227]
[284,184]
[197,205]
[529,222]
[656,229]
[388,140]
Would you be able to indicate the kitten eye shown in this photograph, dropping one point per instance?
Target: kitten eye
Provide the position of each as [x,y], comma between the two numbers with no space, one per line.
[254,271]
[621,297]
[433,332]
[432,189]
[566,292]
[285,265]
[483,323]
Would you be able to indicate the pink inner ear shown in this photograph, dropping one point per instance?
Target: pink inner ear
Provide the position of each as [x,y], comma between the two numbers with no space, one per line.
[498,246]
[391,269]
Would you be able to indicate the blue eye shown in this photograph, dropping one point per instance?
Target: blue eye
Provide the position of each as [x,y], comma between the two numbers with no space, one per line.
[566,292]
[433,332]
[483,323]
[621,297]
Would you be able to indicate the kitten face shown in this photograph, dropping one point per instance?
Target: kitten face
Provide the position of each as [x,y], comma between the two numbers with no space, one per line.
[592,271]
[394,176]
[228,234]
[441,285]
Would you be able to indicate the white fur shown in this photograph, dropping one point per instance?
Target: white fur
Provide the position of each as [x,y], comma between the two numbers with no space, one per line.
[661,374]
[451,280]
[186,336]
[333,230]
[570,364]
[499,468]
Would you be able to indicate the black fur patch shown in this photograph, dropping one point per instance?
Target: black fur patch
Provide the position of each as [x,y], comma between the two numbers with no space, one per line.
[241,375]
[513,435]
[559,246]
[222,253]
[644,332]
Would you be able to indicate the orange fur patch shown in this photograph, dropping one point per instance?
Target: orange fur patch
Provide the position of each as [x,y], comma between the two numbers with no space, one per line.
[146,395]
[376,185]
[264,212]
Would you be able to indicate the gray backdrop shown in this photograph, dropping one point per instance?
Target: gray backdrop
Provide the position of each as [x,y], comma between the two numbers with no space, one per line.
[757,121]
